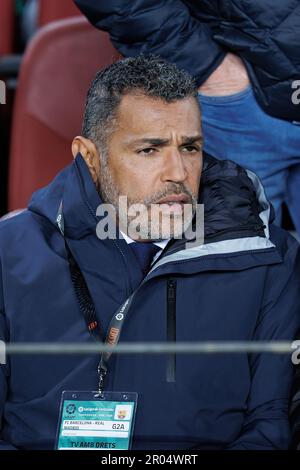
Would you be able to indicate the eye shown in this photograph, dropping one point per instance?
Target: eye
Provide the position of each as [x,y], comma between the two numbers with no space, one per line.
[191,149]
[147,151]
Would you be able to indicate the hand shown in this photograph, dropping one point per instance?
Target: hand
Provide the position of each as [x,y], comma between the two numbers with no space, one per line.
[230,77]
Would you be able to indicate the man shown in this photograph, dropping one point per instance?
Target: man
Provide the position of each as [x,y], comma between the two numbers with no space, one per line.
[226,46]
[62,280]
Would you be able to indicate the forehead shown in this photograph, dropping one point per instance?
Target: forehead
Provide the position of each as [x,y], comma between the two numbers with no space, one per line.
[139,114]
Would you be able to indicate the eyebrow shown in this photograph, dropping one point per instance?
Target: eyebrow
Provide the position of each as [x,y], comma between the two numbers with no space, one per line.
[156,142]
[188,140]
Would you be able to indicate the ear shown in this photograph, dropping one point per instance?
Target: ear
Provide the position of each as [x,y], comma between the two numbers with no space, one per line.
[89,152]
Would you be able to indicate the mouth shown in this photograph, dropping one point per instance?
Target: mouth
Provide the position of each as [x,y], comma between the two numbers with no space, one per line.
[174,199]
[175,203]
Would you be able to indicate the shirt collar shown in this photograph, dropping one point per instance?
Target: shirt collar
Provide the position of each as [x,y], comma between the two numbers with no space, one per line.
[161,244]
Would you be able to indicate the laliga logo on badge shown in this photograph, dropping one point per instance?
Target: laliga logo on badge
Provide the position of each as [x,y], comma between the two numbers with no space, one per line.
[71,409]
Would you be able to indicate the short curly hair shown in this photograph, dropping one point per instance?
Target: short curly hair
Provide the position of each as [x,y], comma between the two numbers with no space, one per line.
[147,74]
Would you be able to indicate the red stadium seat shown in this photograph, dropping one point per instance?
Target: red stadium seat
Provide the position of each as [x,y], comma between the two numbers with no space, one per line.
[58,67]
[54,10]
[6,26]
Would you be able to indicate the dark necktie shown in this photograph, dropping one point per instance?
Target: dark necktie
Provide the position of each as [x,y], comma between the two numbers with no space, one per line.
[145,253]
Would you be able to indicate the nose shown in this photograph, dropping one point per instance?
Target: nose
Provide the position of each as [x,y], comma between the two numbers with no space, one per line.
[174,168]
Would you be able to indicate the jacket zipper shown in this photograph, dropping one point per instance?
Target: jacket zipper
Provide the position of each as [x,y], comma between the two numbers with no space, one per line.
[171,328]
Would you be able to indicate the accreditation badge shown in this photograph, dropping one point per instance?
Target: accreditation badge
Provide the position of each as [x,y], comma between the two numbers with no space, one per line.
[93,421]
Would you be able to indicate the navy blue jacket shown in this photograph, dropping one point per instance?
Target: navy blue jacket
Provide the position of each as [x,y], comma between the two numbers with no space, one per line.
[196,35]
[241,284]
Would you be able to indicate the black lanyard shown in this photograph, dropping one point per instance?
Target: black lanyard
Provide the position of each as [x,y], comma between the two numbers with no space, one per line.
[88,310]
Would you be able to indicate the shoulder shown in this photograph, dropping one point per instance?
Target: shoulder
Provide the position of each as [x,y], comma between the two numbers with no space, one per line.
[17,229]
[284,276]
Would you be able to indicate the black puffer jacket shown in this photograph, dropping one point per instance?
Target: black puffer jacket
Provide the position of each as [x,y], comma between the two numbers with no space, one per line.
[196,34]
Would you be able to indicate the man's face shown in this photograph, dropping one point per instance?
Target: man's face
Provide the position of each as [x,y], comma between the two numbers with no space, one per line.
[154,156]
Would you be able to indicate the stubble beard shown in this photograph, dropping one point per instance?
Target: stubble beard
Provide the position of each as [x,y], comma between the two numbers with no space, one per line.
[159,229]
